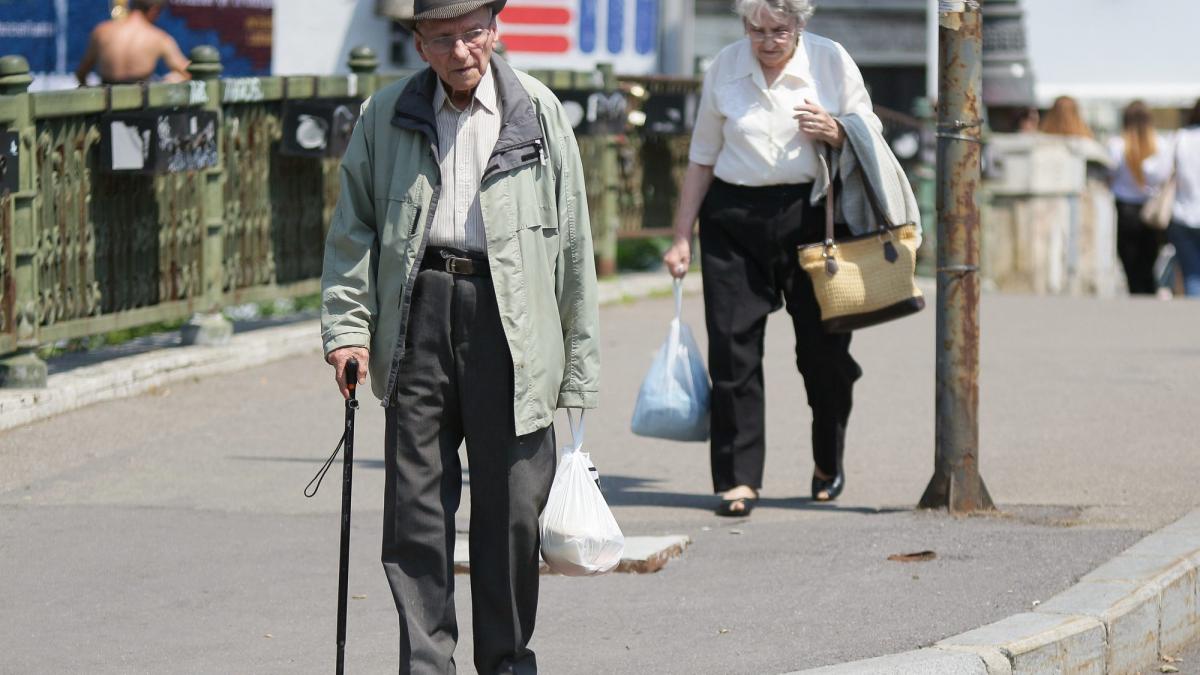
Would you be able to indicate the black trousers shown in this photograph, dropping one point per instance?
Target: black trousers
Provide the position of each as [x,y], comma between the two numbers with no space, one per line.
[456,383]
[1137,246]
[748,239]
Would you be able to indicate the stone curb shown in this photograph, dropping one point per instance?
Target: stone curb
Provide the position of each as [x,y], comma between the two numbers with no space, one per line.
[1118,620]
[134,375]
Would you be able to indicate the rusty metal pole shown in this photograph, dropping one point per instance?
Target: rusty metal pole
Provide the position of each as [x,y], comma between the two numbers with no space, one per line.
[956,482]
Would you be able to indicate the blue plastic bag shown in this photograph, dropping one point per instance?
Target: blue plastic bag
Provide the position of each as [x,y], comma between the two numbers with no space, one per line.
[673,401]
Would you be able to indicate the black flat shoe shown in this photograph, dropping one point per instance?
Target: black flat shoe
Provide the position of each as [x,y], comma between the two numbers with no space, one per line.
[832,487]
[744,506]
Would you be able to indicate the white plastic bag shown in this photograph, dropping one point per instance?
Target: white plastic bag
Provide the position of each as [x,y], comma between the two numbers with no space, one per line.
[674,398]
[580,537]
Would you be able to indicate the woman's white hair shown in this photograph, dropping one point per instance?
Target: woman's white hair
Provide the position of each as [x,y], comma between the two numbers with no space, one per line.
[799,10]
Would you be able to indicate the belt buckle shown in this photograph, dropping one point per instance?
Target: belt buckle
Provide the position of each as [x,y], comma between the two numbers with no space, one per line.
[452,265]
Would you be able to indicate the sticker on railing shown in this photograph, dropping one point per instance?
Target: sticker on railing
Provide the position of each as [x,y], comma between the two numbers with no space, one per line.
[243,90]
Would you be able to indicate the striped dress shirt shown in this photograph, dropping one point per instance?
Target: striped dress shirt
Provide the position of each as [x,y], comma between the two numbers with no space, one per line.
[466,139]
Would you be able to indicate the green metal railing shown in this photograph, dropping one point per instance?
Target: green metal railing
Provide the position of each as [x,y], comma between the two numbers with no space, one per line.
[84,251]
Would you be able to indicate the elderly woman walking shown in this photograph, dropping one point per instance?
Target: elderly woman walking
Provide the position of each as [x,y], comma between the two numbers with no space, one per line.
[769,108]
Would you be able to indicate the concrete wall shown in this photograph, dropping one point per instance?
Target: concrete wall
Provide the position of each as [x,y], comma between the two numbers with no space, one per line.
[1049,222]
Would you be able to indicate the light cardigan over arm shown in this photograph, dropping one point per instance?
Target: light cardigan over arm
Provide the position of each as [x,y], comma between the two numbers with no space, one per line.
[748,132]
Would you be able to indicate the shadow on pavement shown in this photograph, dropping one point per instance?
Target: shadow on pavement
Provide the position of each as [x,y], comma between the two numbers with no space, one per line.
[68,361]
[634,491]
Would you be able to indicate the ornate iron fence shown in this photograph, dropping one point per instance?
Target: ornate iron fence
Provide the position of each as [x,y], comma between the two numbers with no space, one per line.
[85,249]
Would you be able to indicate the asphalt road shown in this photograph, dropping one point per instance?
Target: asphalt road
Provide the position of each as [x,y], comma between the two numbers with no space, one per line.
[168,533]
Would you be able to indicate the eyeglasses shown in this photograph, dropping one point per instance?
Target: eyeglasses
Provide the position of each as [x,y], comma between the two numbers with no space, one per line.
[759,35]
[473,39]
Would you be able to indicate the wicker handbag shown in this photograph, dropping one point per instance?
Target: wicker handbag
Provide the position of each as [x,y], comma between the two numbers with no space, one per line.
[865,280]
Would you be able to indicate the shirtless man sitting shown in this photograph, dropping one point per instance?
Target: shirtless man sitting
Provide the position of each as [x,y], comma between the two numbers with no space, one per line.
[127,50]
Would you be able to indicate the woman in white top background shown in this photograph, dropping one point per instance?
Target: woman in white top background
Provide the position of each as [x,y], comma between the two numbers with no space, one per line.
[767,109]
[1184,230]
[1137,154]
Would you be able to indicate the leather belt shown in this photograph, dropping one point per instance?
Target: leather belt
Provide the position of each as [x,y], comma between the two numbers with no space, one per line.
[454,261]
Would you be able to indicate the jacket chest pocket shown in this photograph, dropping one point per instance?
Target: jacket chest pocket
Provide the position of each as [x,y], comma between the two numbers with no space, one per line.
[401,222]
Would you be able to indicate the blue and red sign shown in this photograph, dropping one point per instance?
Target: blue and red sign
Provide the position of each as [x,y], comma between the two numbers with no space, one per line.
[581,33]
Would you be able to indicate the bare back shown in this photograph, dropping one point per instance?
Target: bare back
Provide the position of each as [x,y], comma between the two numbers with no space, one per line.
[129,49]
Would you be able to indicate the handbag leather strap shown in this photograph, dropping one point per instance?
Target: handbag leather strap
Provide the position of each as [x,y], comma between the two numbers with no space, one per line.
[829,197]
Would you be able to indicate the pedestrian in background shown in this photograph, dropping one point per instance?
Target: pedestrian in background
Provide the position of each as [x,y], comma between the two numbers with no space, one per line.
[1026,120]
[1184,230]
[767,110]
[459,267]
[1137,155]
[1063,119]
[127,50]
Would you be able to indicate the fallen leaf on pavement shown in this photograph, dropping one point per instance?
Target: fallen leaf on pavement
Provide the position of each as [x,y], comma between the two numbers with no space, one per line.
[919,556]
[723,631]
[268,636]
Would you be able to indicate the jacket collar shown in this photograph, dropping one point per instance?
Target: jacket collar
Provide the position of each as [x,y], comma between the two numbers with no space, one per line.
[518,123]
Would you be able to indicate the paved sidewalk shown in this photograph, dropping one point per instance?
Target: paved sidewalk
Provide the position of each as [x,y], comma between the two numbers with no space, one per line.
[166,532]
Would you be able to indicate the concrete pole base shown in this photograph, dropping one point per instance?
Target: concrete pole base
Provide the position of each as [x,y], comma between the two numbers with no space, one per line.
[207,330]
[23,370]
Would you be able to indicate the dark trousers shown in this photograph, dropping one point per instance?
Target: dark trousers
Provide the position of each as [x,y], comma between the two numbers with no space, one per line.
[748,239]
[1186,240]
[456,383]
[1137,246]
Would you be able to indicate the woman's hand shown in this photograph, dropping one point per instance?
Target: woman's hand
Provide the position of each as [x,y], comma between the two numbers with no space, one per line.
[679,257]
[815,122]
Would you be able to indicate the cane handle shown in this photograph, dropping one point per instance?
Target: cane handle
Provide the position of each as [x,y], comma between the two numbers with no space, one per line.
[351,374]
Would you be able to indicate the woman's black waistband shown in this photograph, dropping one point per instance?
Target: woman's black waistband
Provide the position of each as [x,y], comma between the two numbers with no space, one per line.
[783,192]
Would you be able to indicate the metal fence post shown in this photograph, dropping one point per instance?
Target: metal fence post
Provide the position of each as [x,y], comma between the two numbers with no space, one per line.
[610,176]
[23,368]
[956,483]
[208,326]
[363,64]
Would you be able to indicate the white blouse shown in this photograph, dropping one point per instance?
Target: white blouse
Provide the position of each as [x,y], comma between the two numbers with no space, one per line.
[1186,165]
[747,131]
[1156,169]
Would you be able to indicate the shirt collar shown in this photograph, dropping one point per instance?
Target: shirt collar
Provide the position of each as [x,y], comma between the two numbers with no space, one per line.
[748,66]
[485,94]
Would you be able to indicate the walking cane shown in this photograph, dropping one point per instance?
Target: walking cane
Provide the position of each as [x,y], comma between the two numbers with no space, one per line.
[347,442]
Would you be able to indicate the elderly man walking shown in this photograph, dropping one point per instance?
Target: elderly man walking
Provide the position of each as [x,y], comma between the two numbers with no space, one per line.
[459,266]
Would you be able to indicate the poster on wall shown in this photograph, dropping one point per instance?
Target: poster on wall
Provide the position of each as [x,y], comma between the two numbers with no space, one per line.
[239,29]
[579,34]
[53,35]
[32,28]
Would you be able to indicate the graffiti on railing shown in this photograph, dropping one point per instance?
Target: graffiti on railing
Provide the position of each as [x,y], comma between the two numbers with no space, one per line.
[243,90]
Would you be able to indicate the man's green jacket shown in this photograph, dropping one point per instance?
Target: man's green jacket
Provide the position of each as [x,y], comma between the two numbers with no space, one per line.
[538,239]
